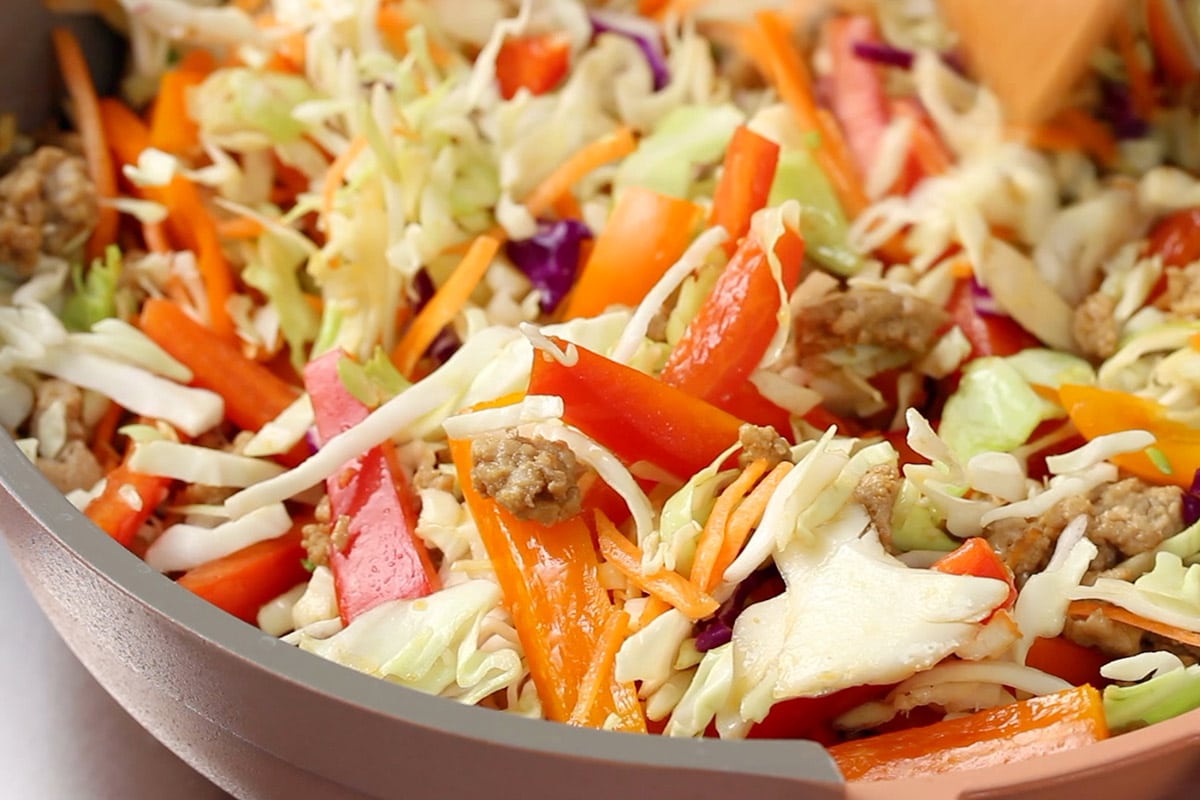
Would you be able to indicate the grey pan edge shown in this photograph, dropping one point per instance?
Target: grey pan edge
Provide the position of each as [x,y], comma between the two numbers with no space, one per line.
[141,635]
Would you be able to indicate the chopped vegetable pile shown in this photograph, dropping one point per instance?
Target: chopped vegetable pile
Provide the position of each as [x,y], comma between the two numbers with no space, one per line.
[676,367]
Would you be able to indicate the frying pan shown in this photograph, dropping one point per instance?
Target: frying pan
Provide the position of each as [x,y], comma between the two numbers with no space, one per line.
[264,720]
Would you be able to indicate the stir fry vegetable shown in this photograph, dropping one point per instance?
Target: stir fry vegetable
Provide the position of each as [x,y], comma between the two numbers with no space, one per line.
[641,366]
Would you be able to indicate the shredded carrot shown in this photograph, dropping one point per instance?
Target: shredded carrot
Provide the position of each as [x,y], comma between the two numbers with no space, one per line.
[240,228]
[82,90]
[444,304]
[747,515]
[771,47]
[927,147]
[1141,82]
[1082,609]
[600,672]
[155,236]
[336,174]
[655,607]
[1073,130]
[567,207]
[609,147]
[708,549]
[663,583]
[961,269]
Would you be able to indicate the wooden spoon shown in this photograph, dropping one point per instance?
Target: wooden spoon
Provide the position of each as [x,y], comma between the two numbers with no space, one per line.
[1031,52]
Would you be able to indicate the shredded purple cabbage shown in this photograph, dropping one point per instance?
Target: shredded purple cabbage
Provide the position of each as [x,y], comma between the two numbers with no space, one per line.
[718,629]
[885,54]
[643,33]
[1191,502]
[983,301]
[1116,106]
[550,258]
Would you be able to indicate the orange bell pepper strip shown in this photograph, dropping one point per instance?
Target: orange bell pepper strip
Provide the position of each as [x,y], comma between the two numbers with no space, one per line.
[745,184]
[976,557]
[646,233]
[537,62]
[1008,734]
[1096,412]
[634,415]
[382,559]
[723,344]
[116,511]
[551,584]
[243,582]
[1070,661]
[172,128]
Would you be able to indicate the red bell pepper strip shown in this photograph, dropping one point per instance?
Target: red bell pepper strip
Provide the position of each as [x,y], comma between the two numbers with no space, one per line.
[383,559]
[116,511]
[989,334]
[1176,238]
[551,584]
[725,341]
[813,717]
[1096,412]
[976,557]
[646,233]
[536,62]
[1008,734]
[1072,662]
[634,415]
[858,99]
[745,184]
[243,582]
[1172,40]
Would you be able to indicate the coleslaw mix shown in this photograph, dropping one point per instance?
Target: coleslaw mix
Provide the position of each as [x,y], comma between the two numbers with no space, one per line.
[698,368]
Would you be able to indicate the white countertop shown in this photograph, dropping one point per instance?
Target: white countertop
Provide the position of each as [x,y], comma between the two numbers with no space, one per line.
[61,736]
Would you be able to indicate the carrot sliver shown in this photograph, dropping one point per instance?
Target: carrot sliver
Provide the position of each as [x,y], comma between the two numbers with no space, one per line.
[1141,82]
[253,394]
[240,228]
[663,583]
[336,175]
[708,550]
[155,236]
[445,304]
[747,515]
[1082,609]
[610,147]
[82,90]
[785,69]
[600,671]
[172,128]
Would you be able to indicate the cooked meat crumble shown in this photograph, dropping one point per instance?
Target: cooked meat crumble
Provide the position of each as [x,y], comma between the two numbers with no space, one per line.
[877,491]
[535,479]
[47,204]
[1094,326]
[763,442]
[860,316]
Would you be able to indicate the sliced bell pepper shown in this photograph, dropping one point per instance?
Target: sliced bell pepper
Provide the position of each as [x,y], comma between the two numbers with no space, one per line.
[243,582]
[646,233]
[813,717]
[989,334]
[116,513]
[634,415]
[745,184]
[537,62]
[723,344]
[858,99]
[1096,412]
[976,557]
[172,128]
[551,583]
[1176,238]
[382,559]
[1172,40]
[1007,734]
[1070,661]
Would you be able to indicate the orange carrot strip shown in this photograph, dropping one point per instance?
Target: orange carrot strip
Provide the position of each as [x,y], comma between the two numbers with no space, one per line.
[155,236]
[241,583]
[240,228]
[747,515]
[663,583]
[609,147]
[82,91]
[785,69]
[336,174]
[1007,734]
[172,128]
[1082,609]
[708,549]
[1071,130]
[253,394]
[600,672]
[188,220]
[445,303]
[126,502]
[1141,82]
